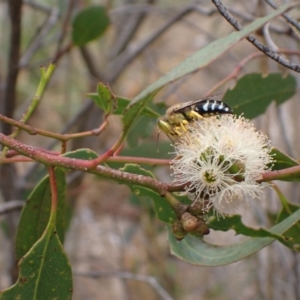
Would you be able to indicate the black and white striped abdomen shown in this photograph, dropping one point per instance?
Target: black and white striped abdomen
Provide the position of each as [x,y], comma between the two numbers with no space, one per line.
[212,107]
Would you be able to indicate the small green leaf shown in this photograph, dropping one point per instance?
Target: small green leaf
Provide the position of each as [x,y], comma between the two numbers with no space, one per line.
[85,154]
[89,24]
[235,223]
[105,100]
[122,103]
[45,272]
[163,209]
[196,251]
[291,234]
[253,93]
[36,212]
[282,160]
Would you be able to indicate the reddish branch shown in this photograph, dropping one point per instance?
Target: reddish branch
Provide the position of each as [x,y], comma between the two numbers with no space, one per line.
[145,181]
[87,166]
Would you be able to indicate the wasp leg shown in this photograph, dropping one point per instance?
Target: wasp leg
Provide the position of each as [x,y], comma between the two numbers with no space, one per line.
[183,124]
[195,115]
[178,130]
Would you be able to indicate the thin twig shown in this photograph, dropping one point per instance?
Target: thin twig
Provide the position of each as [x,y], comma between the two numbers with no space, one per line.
[251,38]
[288,18]
[235,72]
[268,38]
[12,205]
[41,7]
[127,57]
[130,23]
[58,136]
[65,24]
[38,40]
[90,64]
[130,276]
[78,118]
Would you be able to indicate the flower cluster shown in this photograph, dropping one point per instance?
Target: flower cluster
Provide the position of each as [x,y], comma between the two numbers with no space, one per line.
[220,159]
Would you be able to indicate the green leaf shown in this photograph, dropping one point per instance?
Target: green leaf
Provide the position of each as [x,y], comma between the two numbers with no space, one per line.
[89,24]
[253,93]
[36,212]
[163,209]
[44,272]
[194,62]
[132,113]
[85,154]
[282,160]
[235,223]
[150,149]
[142,129]
[196,251]
[122,104]
[105,100]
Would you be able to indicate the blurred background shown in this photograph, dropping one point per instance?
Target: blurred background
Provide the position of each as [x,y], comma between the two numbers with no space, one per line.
[116,246]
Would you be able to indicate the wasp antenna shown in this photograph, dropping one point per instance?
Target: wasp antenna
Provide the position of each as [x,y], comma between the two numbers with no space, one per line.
[157,149]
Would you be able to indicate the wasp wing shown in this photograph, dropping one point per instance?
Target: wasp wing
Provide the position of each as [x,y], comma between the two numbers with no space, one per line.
[194,102]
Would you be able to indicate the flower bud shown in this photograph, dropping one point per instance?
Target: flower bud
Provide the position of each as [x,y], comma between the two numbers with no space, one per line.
[189,222]
[178,230]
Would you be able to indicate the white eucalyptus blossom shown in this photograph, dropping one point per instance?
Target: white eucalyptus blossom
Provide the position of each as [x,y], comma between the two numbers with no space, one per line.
[220,159]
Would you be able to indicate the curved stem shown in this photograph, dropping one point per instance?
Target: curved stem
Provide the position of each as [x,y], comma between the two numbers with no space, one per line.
[61,137]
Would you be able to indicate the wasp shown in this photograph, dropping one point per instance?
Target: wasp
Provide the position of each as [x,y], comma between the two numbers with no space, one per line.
[174,123]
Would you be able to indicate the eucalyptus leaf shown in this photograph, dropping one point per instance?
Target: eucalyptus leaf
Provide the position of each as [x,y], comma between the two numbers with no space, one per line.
[282,160]
[253,93]
[292,234]
[36,212]
[89,24]
[44,270]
